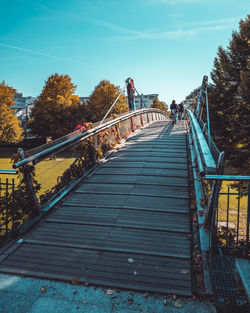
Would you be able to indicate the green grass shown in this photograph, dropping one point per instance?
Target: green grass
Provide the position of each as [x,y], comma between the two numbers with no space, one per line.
[236,205]
[47,171]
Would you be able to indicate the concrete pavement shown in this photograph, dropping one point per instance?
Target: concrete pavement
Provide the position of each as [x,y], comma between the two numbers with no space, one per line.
[30,295]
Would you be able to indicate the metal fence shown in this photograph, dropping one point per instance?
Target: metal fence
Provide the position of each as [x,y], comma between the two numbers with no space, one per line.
[8,187]
[231,215]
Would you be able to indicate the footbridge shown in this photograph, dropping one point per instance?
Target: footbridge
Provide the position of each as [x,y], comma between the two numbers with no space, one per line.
[129,211]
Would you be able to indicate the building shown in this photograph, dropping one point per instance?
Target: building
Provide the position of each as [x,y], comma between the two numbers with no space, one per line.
[146,100]
[23,106]
[83,99]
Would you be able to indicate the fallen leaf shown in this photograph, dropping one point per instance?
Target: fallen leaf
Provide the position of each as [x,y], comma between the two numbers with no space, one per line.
[75,281]
[109,292]
[145,295]
[165,302]
[184,271]
[174,297]
[43,289]
[130,260]
[130,300]
[177,304]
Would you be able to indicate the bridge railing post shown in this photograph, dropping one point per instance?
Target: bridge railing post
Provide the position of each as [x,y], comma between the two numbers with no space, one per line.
[27,175]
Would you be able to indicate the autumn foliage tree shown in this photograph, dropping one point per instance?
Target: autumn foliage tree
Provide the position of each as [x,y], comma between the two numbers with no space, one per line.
[101,100]
[57,110]
[10,128]
[157,104]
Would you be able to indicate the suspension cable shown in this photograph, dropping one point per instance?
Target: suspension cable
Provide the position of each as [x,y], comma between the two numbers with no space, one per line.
[112,105]
[140,98]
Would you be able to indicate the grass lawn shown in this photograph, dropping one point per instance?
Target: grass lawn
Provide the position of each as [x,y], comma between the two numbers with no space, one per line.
[47,171]
[6,164]
[236,204]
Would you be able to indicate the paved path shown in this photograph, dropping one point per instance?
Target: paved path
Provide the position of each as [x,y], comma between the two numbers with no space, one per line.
[126,226]
[29,295]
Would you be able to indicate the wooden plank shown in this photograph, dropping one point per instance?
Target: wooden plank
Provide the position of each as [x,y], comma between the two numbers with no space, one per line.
[147,157]
[130,202]
[121,218]
[171,226]
[142,171]
[145,180]
[170,153]
[146,164]
[114,187]
[129,250]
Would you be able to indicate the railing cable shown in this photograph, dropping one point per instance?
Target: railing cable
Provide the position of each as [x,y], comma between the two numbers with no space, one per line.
[112,105]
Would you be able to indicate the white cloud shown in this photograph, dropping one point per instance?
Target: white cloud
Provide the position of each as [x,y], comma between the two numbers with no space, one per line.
[120,29]
[185,30]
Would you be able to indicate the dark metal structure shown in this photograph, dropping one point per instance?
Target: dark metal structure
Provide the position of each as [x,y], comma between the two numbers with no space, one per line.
[125,223]
[125,226]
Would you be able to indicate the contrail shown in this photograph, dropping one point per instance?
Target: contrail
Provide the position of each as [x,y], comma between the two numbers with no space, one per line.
[35,52]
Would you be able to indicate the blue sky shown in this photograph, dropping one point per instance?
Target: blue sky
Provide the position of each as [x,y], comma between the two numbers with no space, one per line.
[166,46]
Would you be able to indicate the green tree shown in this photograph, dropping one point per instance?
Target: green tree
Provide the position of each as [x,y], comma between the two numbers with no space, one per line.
[101,100]
[57,110]
[161,105]
[192,98]
[10,128]
[228,97]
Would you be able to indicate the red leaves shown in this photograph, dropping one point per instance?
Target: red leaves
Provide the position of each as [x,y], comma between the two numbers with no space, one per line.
[202,202]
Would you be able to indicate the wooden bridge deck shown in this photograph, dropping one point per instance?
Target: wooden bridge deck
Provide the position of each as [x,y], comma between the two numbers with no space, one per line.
[126,226]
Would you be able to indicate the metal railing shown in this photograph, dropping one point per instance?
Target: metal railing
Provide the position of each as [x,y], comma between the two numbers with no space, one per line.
[231,214]
[7,197]
[53,169]
[223,209]
[83,136]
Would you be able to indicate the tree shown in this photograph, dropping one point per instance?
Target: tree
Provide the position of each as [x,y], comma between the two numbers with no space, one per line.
[157,104]
[57,110]
[192,98]
[229,99]
[101,100]
[10,127]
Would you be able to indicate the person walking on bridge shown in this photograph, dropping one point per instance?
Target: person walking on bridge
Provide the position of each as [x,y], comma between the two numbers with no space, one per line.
[173,108]
[180,110]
